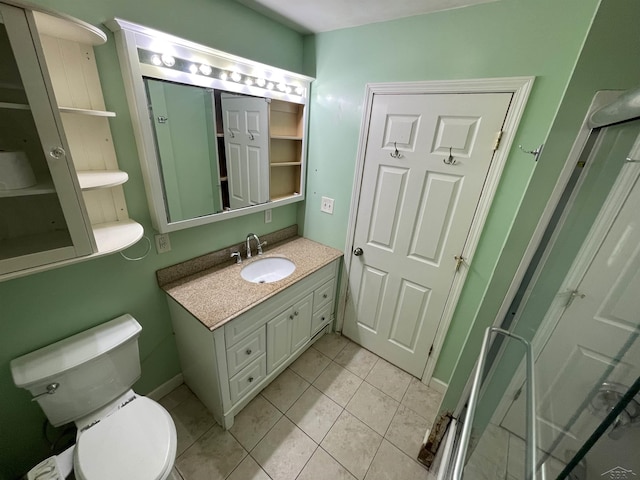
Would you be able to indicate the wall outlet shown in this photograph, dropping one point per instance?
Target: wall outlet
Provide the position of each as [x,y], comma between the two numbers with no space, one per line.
[163,244]
[267,216]
[327,205]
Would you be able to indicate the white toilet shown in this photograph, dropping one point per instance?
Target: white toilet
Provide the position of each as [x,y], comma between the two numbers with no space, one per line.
[87,379]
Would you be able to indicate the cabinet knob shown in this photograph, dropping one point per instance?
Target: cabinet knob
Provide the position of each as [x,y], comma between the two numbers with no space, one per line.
[248,351]
[57,152]
[324,295]
[322,318]
[250,379]
[295,313]
[290,317]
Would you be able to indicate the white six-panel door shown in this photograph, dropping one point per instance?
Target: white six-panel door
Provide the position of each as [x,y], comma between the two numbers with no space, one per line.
[426,161]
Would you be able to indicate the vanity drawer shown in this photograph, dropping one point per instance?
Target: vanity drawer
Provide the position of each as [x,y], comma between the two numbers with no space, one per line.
[323,295]
[246,351]
[248,378]
[321,318]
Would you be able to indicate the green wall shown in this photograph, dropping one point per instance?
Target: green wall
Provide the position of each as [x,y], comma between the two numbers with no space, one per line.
[607,62]
[46,307]
[500,39]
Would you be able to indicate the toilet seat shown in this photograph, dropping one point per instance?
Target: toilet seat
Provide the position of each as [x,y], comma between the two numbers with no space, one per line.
[137,442]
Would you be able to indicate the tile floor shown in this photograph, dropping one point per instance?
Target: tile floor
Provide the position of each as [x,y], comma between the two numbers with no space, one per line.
[338,412]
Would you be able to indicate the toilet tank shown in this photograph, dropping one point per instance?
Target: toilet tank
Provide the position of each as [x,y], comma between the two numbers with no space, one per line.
[91,368]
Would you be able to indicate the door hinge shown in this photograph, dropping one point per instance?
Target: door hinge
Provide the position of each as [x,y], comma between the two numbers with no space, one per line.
[496,142]
[430,350]
[517,394]
[573,294]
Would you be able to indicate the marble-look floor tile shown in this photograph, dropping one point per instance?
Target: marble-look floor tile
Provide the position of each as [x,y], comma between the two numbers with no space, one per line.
[310,364]
[352,443]
[390,463]
[248,470]
[422,399]
[191,419]
[373,407]
[407,431]
[331,344]
[323,466]
[337,383]
[212,457]
[174,398]
[254,421]
[314,413]
[356,359]
[284,451]
[285,390]
[389,379]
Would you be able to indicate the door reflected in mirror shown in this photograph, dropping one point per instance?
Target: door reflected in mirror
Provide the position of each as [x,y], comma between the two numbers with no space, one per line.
[220,151]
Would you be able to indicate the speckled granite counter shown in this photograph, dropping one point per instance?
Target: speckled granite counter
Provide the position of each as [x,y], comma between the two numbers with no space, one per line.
[220,294]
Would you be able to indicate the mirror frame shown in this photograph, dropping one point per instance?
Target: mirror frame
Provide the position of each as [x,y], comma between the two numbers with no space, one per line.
[130,38]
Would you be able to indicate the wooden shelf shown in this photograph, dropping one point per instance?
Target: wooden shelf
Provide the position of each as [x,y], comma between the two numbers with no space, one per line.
[62,26]
[85,111]
[281,197]
[115,236]
[14,106]
[90,180]
[286,137]
[39,189]
[285,164]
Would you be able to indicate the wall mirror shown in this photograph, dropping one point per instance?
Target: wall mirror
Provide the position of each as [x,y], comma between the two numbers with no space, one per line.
[218,136]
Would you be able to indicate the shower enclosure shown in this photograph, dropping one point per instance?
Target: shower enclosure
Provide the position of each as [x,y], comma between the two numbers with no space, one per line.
[577,315]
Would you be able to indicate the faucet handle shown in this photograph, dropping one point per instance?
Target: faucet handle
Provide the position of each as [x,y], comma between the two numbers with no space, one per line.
[260,247]
[238,256]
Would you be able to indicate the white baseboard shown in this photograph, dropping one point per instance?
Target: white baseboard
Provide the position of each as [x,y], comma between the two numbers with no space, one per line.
[166,387]
[438,385]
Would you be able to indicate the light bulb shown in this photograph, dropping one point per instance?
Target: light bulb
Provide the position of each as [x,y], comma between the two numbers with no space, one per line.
[299,90]
[270,86]
[193,68]
[155,59]
[261,82]
[282,87]
[288,89]
[168,60]
[224,76]
[205,69]
[236,77]
[248,82]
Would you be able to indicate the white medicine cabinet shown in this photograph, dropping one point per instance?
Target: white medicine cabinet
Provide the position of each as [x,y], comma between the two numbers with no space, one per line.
[61,199]
[218,135]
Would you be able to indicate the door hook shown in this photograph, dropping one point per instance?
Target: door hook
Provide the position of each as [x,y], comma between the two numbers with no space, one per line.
[536,153]
[395,154]
[450,160]
[251,136]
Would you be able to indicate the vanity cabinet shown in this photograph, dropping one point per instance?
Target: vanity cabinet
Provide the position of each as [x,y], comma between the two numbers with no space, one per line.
[229,366]
[61,199]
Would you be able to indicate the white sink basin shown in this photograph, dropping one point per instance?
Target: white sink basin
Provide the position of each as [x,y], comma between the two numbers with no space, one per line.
[267,270]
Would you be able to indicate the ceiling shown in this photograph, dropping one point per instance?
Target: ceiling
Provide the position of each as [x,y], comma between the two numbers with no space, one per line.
[315,16]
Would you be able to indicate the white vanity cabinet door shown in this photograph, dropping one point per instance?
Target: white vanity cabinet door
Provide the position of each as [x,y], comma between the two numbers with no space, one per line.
[301,322]
[279,339]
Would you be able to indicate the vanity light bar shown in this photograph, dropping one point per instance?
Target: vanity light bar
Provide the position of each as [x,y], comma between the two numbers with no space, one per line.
[186,66]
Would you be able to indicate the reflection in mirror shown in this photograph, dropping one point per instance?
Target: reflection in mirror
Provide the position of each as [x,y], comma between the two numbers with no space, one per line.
[218,136]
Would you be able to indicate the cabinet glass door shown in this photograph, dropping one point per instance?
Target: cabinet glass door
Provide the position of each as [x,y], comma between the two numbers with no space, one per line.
[42,220]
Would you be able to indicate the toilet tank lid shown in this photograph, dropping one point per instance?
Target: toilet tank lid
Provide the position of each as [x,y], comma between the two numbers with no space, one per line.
[70,352]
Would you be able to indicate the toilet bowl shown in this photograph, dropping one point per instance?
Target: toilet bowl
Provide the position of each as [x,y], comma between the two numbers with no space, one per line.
[87,379]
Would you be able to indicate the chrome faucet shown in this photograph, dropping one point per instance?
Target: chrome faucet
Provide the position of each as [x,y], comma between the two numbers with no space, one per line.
[259,245]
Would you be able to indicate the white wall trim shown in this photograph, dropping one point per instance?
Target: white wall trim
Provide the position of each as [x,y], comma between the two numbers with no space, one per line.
[167,387]
[521,88]
[438,385]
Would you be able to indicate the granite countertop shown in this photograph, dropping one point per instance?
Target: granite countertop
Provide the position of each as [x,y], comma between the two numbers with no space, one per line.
[218,295]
